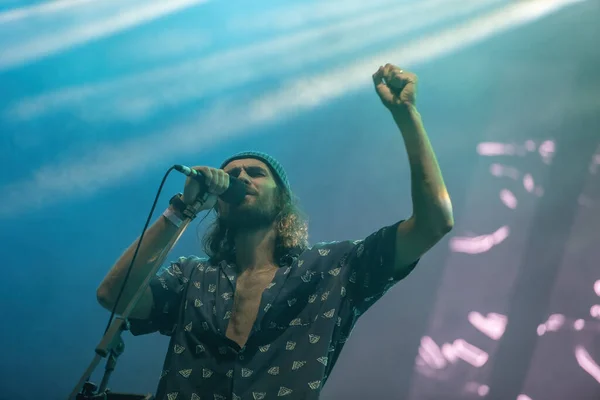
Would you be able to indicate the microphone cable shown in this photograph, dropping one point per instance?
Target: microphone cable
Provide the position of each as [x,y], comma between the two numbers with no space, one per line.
[137,248]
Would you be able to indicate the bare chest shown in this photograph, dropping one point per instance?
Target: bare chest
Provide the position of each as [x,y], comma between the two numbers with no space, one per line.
[248,293]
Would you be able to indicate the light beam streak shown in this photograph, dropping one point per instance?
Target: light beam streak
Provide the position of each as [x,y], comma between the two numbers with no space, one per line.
[20,13]
[138,96]
[43,45]
[112,164]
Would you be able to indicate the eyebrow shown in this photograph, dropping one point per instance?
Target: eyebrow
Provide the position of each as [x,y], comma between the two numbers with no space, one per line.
[236,170]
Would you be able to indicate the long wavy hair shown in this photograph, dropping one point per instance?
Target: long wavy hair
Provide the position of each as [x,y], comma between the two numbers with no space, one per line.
[290,224]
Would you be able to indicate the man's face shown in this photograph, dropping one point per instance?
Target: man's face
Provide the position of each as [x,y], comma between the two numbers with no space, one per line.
[259,207]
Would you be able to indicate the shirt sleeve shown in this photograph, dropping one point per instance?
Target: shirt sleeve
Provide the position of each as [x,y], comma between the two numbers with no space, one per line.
[167,287]
[371,269]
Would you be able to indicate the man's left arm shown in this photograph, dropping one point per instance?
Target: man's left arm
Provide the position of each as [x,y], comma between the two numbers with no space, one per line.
[432,210]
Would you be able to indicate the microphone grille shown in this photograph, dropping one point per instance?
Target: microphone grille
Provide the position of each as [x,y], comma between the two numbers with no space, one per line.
[236,191]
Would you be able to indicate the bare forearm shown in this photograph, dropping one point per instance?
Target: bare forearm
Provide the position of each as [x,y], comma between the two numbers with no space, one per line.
[155,240]
[431,203]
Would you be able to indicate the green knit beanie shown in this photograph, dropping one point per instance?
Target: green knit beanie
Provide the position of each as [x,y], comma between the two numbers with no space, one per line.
[274,165]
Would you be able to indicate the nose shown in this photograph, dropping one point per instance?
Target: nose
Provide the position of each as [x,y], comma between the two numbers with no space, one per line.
[243,176]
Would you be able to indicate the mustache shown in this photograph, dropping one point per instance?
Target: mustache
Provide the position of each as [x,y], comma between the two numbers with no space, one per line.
[250,190]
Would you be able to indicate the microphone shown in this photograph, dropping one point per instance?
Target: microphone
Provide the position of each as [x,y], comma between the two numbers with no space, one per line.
[234,194]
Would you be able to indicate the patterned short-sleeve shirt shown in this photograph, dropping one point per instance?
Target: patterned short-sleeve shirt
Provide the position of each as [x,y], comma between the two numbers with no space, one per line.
[305,316]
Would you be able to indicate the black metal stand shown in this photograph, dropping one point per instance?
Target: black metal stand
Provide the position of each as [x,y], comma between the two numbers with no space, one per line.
[111,345]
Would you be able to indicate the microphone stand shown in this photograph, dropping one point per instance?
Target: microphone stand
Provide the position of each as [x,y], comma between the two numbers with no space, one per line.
[111,345]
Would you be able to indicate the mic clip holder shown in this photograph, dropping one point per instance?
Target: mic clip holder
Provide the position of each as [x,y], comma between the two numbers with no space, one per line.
[189,211]
[192,210]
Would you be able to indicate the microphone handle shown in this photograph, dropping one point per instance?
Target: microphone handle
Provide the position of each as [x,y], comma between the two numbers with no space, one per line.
[234,194]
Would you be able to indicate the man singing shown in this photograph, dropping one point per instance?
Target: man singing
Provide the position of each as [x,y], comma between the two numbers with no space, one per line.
[265,315]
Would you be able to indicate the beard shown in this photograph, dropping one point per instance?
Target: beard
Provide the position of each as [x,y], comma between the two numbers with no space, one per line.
[260,214]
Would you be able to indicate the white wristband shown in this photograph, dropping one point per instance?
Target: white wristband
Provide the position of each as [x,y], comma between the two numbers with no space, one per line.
[172,217]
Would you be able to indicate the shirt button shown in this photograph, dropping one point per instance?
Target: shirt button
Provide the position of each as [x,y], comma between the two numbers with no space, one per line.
[241,357]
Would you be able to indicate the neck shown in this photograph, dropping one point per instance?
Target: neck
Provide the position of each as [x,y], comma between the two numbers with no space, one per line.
[255,249]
